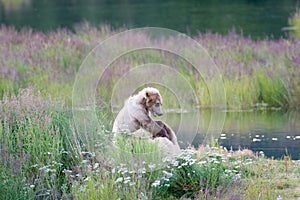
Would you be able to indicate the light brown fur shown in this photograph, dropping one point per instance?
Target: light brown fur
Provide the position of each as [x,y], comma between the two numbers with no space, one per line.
[136,115]
[136,112]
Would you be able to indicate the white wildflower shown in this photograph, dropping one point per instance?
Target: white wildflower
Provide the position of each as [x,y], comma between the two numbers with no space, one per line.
[216,162]
[168,174]
[175,163]
[142,170]
[202,162]
[152,166]
[119,180]
[84,161]
[123,170]
[155,183]
[126,181]
[184,164]
[35,165]
[132,183]
[212,160]
[113,170]
[237,177]
[96,166]
[192,161]
[67,171]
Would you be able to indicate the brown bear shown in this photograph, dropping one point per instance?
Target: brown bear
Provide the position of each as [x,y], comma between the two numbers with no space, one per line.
[136,113]
[135,118]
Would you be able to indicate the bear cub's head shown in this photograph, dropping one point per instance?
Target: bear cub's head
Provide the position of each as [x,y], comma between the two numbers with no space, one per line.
[152,101]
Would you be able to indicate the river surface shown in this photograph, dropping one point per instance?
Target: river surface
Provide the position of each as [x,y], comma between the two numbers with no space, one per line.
[276,133]
[258,18]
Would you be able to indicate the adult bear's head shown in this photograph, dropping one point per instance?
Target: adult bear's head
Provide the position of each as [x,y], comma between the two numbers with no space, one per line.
[152,101]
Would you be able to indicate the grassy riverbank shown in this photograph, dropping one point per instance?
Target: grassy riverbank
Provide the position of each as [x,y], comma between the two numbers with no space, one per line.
[42,159]
[264,72]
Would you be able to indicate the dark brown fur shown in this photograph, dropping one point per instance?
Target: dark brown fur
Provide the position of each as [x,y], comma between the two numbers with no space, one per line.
[165,131]
[150,100]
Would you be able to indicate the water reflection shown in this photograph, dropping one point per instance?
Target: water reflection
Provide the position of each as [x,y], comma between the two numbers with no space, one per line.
[276,133]
[255,18]
[14,5]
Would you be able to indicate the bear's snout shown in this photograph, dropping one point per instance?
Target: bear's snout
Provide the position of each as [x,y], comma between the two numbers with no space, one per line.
[160,114]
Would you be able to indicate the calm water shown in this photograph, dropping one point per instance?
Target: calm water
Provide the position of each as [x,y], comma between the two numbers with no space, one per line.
[258,18]
[276,133]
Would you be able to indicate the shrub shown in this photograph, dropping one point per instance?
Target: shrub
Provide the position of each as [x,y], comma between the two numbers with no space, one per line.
[294,21]
[188,177]
[125,175]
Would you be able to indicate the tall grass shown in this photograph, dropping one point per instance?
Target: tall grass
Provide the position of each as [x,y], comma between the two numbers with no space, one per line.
[294,22]
[265,71]
[33,146]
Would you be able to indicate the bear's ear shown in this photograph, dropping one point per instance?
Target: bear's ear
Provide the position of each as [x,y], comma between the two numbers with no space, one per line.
[143,102]
[147,94]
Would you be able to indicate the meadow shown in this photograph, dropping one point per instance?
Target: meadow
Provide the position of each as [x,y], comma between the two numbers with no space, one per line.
[41,160]
[254,72]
